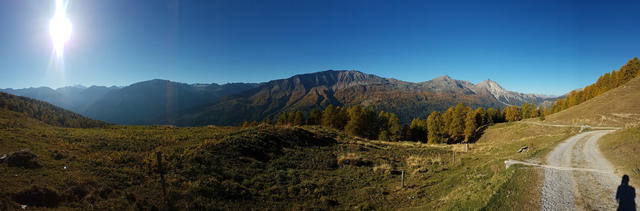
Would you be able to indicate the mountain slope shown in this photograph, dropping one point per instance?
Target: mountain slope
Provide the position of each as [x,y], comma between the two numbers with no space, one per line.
[44,112]
[78,99]
[306,91]
[156,101]
[508,97]
[147,102]
[167,102]
[73,98]
[617,107]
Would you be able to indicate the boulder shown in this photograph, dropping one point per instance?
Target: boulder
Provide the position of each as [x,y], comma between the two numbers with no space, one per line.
[3,157]
[524,148]
[24,159]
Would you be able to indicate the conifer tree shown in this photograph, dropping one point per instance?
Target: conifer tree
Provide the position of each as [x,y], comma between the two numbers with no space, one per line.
[525,112]
[362,122]
[267,121]
[481,116]
[282,119]
[512,113]
[404,132]
[456,129]
[447,117]
[492,116]
[315,117]
[298,118]
[393,126]
[335,117]
[470,126]
[291,118]
[435,128]
[418,130]
[244,124]
[328,116]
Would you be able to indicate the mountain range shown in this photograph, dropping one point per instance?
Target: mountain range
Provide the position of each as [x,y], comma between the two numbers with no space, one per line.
[167,102]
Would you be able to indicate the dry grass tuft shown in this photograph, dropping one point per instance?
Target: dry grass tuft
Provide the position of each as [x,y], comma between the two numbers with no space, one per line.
[352,159]
[384,168]
[421,164]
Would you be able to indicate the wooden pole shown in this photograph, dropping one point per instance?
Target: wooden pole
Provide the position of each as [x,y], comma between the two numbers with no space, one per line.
[453,158]
[402,185]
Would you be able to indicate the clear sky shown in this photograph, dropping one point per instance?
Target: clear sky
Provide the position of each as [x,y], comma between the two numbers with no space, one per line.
[537,46]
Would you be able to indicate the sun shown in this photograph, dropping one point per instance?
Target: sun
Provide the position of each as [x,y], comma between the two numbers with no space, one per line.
[60,28]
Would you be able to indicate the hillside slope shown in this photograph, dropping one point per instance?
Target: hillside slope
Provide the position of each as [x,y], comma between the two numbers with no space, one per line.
[44,112]
[73,98]
[618,107]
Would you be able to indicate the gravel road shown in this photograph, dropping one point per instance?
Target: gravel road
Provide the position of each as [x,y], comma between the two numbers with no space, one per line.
[577,189]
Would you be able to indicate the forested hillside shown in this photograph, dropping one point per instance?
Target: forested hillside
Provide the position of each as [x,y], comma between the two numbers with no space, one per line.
[45,112]
[606,82]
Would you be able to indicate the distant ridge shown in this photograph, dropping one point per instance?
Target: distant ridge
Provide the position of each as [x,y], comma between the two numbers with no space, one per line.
[166,102]
[508,97]
[349,87]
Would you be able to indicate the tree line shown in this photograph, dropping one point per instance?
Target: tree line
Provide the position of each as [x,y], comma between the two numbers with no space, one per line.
[605,82]
[459,124]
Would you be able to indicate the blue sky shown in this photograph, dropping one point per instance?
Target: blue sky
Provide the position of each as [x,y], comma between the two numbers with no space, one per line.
[538,46]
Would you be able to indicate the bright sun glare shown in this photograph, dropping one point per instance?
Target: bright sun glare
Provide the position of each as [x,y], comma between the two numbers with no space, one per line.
[60,28]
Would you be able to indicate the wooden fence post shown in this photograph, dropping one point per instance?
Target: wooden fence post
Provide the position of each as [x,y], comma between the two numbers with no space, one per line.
[402,185]
[453,158]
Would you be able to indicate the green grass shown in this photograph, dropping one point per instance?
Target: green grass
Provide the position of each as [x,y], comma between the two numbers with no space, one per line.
[268,167]
[622,148]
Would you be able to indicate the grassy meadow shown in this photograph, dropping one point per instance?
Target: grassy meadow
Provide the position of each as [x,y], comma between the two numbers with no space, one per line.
[309,167]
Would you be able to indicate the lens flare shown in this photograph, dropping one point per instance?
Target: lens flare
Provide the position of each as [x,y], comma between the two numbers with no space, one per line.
[60,28]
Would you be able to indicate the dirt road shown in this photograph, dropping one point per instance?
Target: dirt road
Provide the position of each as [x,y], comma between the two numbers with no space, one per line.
[574,189]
